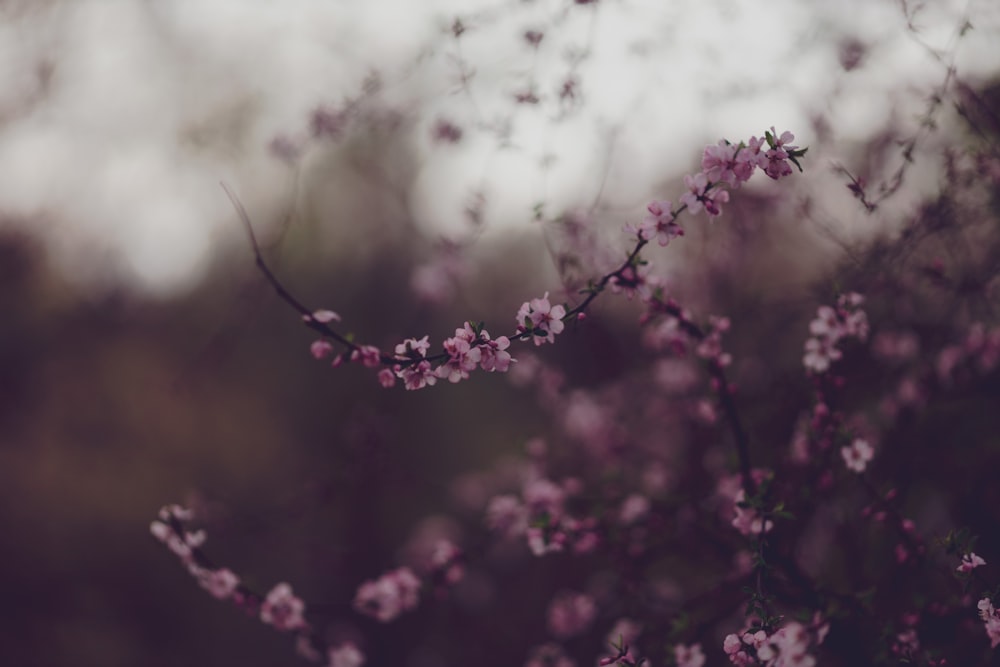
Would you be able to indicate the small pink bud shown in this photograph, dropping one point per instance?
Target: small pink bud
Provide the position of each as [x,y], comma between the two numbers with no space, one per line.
[320,349]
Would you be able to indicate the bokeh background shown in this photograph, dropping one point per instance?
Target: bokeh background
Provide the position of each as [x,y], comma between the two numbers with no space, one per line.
[411,166]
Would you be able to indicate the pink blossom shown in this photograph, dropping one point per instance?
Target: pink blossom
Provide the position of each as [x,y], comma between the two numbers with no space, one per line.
[710,347]
[718,161]
[970,561]
[570,613]
[282,609]
[830,326]
[634,508]
[660,224]
[417,376]
[181,543]
[988,613]
[368,355]
[411,348]
[345,655]
[777,164]
[494,355]
[701,194]
[543,496]
[789,647]
[221,583]
[542,319]
[631,279]
[463,355]
[783,140]
[445,563]
[819,354]
[729,164]
[388,596]
[541,542]
[320,349]
[386,378]
[689,656]
[324,316]
[857,455]
[506,515]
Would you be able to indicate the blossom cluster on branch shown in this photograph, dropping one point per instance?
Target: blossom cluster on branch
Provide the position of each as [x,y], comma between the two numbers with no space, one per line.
[725,166]
[621,502]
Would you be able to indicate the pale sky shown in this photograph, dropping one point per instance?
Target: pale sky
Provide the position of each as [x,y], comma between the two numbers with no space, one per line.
[119,118]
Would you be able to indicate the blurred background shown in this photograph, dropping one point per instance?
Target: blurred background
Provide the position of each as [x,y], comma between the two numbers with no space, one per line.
[410,166]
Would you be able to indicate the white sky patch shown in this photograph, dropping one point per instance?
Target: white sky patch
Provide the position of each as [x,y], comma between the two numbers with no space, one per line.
[119,119]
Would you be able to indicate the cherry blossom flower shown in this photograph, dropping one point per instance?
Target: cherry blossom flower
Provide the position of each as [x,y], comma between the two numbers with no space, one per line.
[570,614]
[988,613]
[493,353]
[368,355]
[731,644]
[463,355]
[388,596]
[634,508]
[221,583]
[320,349]
[857,455]
[689,656]
[386,378]
[970,561]
[661,224]
[282,609]
[542,319]
[345,655]
[701,194]
[411,348]
[417,376]
[718,163]
[323,316]
[830,326]
[630,280]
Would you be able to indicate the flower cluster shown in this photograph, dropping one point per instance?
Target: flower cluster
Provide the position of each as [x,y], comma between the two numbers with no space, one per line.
[689,656]
[221,583]
[747,519]
[979,352]
[830,327]
[541,320]
[991,619]
[661,224]
[280,607]
[789,646]
[540,517]
[388,596]
[702,194]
